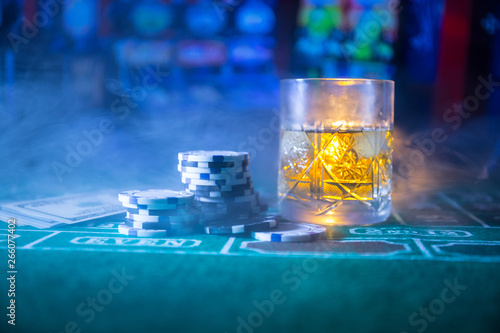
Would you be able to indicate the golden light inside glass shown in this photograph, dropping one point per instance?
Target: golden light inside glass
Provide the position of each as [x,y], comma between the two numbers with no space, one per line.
[331,170]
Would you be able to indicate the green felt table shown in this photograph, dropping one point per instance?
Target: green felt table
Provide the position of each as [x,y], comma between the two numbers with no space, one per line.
[434,266]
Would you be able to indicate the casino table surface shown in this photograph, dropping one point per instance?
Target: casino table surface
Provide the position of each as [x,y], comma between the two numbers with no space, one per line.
[433,266]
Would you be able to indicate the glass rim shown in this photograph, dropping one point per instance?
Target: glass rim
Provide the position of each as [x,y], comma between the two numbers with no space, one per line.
[358,80]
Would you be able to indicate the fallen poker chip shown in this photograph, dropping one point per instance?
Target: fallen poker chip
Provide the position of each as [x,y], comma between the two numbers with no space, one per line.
[216,182]
[156,197]
[137,232]
[241,225]
[191,217]
[291,232]
[213,156]
[210,165]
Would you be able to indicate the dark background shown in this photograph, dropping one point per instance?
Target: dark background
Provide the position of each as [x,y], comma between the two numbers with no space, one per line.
[66,66]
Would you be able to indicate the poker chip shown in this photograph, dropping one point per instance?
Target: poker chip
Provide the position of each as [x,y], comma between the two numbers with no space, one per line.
[217,182]
[210,165]
[213,156]
[138,232]
[158,207]
[222,194]
[219,188]
[178,218]
[157,212]
[218,176]
[227,205]
[161,225]
[291,232]
[249,210]
[217,217]
[156,197]
[212,171]
[221,184]
[242,225]
[245,198]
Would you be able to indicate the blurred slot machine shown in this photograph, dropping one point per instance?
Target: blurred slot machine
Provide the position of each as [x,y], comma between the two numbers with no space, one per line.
[345,38]
[143,48]
[252,49]
[230,38]
[201,55]
[84,64]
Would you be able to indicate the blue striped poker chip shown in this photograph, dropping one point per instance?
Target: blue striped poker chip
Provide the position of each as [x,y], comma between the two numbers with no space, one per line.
[231,207]
[157,212]
[248,212]
[291,232]
[213,156]
[217,165]
[156,197]
[212,171]
[137,232]
[245,198]
[221,188]
[208,176]
[216,182]
[242,225]
[158,207]
[227,205]
[255,209]
[222,194]
[160,225]
[187,218]
[220,217]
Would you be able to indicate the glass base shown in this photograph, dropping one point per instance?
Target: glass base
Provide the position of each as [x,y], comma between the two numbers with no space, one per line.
[347,213]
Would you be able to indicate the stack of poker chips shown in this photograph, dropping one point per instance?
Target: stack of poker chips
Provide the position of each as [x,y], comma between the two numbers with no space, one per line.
[221,184]
[158,213]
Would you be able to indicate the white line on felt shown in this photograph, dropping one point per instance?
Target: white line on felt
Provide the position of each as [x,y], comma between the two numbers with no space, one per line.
[30,245]
[422,247]
[227,246]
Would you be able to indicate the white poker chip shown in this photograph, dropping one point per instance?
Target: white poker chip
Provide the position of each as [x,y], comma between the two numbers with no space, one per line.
[216,182]
[157,207]
[245,198]
[136,232]
[159,212]
[227,205]
[187,217]
[241,225]
[248,210]
[211,170]
[213,156]
[156,197]
[161,225]
[222,194]
[221,188]
[291,232]
[209,176]
[212,165]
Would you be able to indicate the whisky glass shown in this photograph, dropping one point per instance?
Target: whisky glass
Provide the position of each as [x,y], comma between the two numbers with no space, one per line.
[336,150]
